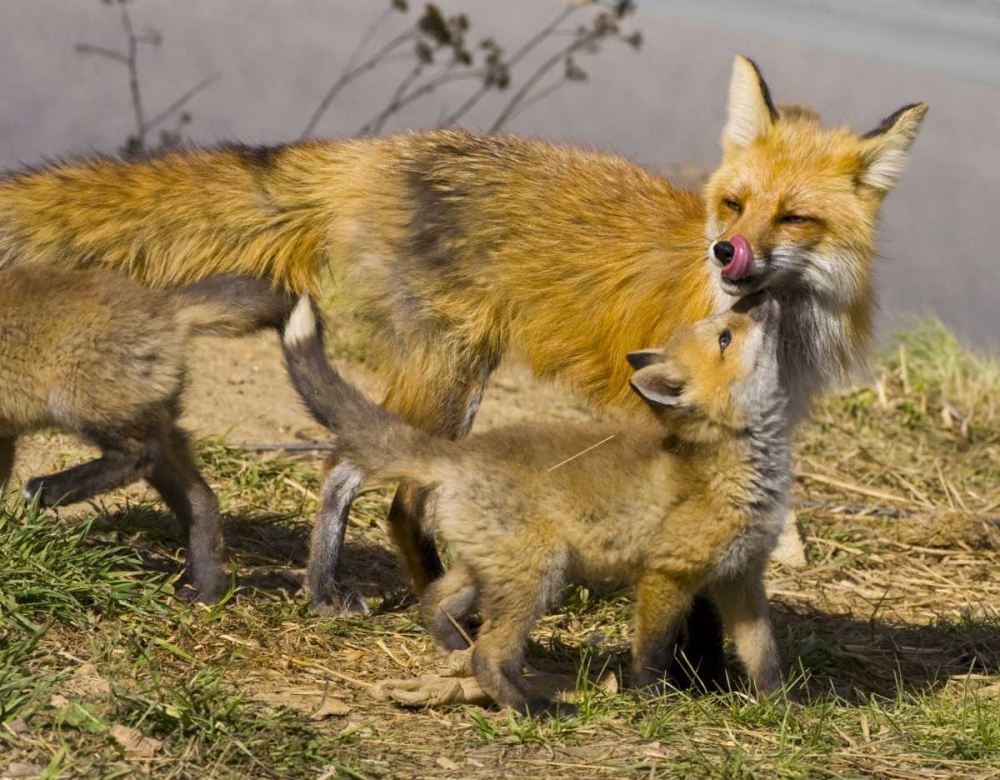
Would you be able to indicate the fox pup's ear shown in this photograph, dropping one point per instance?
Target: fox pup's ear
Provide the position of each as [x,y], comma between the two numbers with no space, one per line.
[658,387]
[643,358]
[883,155]
[750,111]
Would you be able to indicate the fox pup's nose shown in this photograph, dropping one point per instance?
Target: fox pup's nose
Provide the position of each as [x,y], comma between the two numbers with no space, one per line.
[724,251]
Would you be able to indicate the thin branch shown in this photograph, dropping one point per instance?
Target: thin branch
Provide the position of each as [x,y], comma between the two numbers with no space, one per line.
[526,48]
[308,447]
[133,76]
[369,34]
[350,75]
[541,95]
[87,48]
[375,125]
[544,33]
[178,104]
[425,89]
[511,107]
[467,106]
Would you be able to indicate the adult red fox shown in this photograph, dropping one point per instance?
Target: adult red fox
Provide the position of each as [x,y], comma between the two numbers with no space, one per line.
[456,249]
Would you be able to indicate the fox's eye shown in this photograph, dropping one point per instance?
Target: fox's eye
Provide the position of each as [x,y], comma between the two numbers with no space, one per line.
[795,219]
[724,339]
[733,205]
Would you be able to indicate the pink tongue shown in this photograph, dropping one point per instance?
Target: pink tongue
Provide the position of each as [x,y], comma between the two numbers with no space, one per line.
[742,260]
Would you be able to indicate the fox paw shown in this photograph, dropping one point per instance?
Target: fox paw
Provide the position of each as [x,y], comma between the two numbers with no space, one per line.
[340,602]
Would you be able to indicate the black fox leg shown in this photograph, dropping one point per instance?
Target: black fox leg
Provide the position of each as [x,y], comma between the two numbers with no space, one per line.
[703,661]
[177,479]
[122,463]
[328,596]
[7,449]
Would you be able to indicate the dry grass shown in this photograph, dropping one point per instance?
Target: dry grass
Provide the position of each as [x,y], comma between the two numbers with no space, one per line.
[892,627]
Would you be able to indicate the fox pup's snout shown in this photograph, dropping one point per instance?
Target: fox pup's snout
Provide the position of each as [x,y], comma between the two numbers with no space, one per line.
[715,368]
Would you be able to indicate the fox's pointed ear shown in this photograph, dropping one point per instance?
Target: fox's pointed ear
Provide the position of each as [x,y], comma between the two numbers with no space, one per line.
[750,111]
[883,155]
[643,358]
[658,387]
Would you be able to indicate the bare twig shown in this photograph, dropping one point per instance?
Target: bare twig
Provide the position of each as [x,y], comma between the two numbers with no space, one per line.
[136,144]
[350,75]
[178,104]
[582,452]
[307,447]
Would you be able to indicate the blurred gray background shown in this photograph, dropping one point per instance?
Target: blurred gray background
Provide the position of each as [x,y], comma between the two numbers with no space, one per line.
[853,60]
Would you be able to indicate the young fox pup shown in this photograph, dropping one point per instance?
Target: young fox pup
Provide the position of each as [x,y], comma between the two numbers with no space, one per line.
[695,501]
[104,358]
[458,249]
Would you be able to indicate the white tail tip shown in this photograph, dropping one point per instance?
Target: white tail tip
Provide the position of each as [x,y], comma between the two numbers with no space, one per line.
[301,324]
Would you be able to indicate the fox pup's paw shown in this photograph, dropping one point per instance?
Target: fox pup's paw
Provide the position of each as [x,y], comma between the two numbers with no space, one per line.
[35,491]
[340,602]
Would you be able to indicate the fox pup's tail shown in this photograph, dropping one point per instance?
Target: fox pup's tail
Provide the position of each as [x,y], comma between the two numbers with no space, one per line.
[233,305]
[372,438]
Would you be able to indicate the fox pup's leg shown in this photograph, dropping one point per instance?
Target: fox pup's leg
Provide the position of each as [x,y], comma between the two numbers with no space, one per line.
[327,595]
[6,459]
[177,479]
[123,460]
[509,611]
[703,659]
[743,603]
[661,602]
[446,604]
[448,411]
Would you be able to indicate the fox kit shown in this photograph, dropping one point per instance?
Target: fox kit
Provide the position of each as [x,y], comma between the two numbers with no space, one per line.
[695,501]
[457,249]
[104,358]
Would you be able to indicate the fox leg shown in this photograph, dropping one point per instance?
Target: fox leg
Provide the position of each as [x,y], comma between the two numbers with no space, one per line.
[743,603]
[445,411]
[123,460]
[446,604]
[510,609]
[183,489]
[704,659]
[327,595]
[7,449]
[661,602]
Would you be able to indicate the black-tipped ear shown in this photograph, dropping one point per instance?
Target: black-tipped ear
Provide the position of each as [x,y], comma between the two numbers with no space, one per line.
[643,358]
[883,156]
[657,387]
[750,110]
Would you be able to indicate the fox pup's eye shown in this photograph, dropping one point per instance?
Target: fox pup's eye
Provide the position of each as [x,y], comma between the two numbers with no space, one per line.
[795,219]
[733,205]
[724,340]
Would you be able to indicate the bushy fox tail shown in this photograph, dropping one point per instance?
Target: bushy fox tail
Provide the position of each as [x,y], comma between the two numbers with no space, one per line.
[372,438]
[233,305]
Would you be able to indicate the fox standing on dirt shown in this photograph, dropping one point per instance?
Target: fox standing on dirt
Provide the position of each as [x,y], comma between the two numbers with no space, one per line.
[105,358]
[696,501]
[456,249]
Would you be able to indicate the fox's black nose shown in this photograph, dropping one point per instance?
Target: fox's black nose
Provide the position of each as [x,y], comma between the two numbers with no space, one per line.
[724,251]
